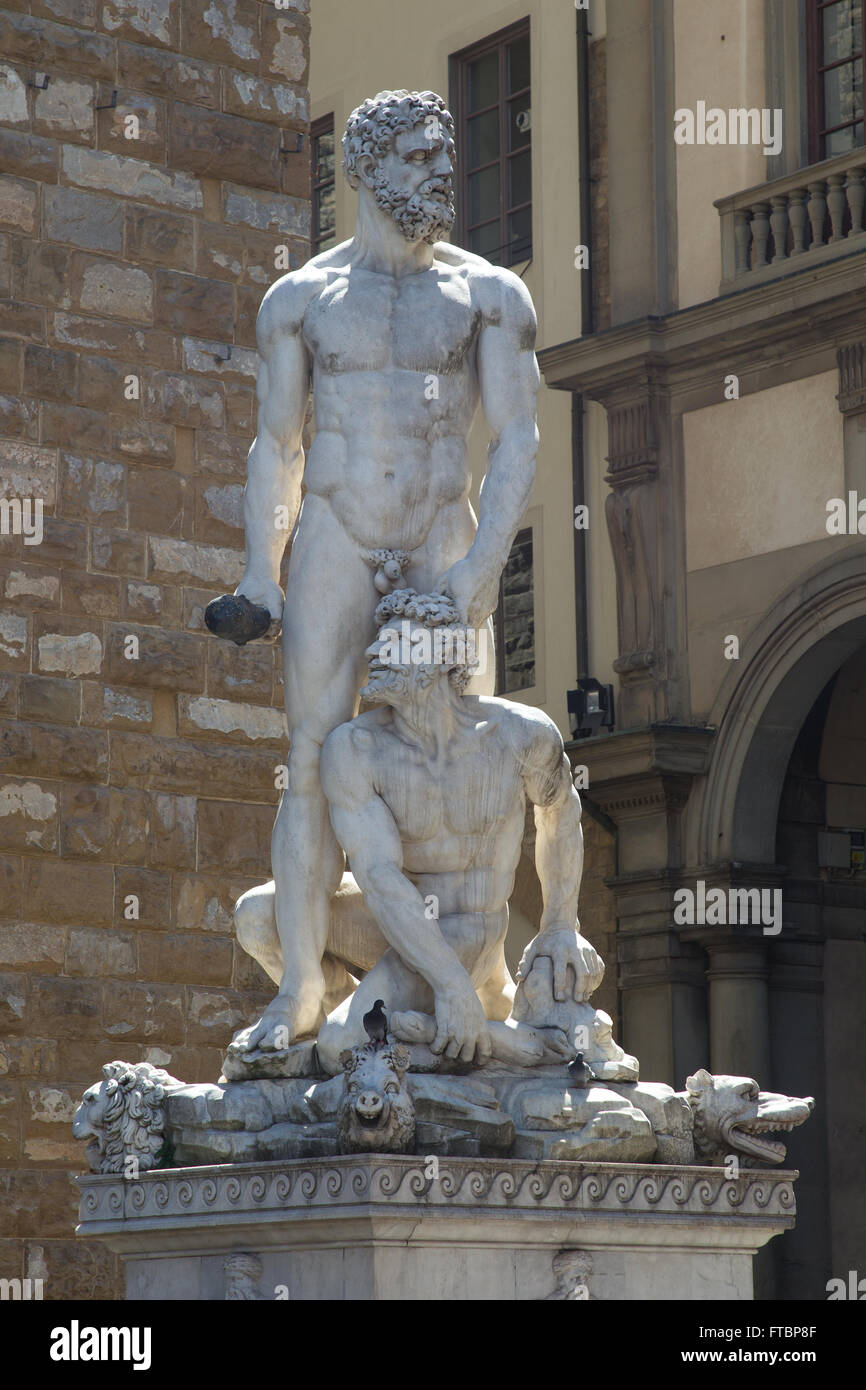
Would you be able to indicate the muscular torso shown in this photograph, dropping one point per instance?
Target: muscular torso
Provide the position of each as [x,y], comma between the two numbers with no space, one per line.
[395,391]
[460,820]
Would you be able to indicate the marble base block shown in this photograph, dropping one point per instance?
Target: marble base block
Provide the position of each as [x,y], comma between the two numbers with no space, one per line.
[385,1227]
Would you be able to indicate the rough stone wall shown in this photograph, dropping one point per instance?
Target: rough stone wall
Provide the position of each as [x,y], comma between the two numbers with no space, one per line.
[133,255]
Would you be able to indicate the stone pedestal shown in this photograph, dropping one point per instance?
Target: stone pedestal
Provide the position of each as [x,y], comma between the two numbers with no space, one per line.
[381,1227]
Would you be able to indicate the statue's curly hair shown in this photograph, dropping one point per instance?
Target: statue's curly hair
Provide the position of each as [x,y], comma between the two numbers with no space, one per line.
[433,611]
[373,126]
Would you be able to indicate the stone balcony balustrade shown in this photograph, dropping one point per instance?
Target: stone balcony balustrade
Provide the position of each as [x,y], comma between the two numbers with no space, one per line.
[794,223]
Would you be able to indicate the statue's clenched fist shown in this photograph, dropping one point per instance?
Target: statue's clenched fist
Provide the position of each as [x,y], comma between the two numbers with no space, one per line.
[461,1028]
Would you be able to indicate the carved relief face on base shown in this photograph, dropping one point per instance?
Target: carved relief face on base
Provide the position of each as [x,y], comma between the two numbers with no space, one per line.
[401,145]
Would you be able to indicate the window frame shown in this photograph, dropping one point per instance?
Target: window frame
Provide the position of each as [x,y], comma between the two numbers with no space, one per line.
[815,70]
[324,125]
[459,62]
[528,530]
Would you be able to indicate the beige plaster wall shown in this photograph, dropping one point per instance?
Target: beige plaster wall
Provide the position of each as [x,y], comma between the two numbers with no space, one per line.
[719,59]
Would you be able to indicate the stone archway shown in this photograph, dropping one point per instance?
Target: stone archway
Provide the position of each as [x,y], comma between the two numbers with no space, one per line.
[789,658]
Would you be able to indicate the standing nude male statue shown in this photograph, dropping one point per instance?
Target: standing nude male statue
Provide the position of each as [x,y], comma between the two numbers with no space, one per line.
[401,336]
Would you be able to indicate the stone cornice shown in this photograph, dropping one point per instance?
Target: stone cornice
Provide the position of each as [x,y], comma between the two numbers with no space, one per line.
[797,314]
[626,759]
[352,1185]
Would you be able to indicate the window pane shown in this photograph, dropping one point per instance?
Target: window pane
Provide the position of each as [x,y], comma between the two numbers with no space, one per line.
[520,181]
[841,23]
[484,241]
[325,216]
[324,166]
[483,140]
[517,65]
[484,195]
[484,82]
[519,122]
[520,234]
[518,625]
[848,138]
[843,93]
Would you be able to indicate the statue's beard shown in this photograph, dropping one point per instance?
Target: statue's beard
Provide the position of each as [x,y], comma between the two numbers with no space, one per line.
[386,687]
[419,216]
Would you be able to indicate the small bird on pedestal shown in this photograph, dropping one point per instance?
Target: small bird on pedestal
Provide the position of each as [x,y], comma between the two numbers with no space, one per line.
[376,1024]
[579,1072]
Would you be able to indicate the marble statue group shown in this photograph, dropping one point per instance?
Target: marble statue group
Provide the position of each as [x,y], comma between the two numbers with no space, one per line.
[399,833]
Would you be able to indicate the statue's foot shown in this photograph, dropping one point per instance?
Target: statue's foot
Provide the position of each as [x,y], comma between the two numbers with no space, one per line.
[281,1023]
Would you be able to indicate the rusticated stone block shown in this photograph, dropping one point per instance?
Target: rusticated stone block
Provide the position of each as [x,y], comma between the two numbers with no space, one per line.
[215,1014]
[151,603]
[88,220]
[200,716]
[23,320]
[183,561]
[248,305]
[183,400]
[14,642]
[70,1008]
[10,1137]
[28,1057]
[10,894]
[145,1012]
[27,155]
[11,359]
[143,439]
[169,74]
[156,501]
[49,700]
[219,252]
[285,44]
[226,31]
[41,750]
[101,286]
[28,814]
[50,373]
[19,419]
[194,603]
[28,946]
[64,110]
[191,304]
[151,891]
[185,958]
[40,272]
[141,138]
[14,994]
[72,424]
[107,707]
[64,891]
[19,202]
[234,836]
[224,146]
[165,238]
[131,341]
[104,823]
[110,385]
[93,953]
[266,212]
[130,178]
[67,646]
[80,12]
[163,660]
[245,95]
[31,586]
[200,355]
[219,515]
[91,488]
[172,764]
[13,97]
[147,21]
[203,903]
[96,595]
[42,44]
[171,838]
[118,552]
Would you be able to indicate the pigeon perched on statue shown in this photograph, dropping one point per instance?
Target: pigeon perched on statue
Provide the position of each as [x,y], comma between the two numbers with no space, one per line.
[579,1073]
[376,1024]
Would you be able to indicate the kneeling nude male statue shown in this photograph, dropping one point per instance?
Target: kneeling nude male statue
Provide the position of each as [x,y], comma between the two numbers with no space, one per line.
[427,795]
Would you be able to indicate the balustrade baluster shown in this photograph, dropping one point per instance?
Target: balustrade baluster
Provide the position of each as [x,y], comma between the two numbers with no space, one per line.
[817,212]
[836,204]
[797,219]
[742,241]
[779,223]
[856,192]
[761,234]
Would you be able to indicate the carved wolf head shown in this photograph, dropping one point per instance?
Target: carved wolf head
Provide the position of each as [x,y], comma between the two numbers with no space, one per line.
[377,1114]
[733,1116]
